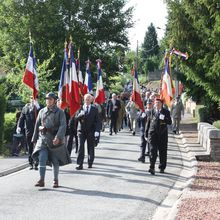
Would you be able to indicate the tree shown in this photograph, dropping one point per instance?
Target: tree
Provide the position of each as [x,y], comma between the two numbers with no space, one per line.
[150,50]
[99,28]
[194,27]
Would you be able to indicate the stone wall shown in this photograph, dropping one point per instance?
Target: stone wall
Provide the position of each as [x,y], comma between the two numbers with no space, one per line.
[209,138]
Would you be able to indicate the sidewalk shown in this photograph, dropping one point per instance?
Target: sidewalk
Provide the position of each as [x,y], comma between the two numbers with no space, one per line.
[201,198]
[10,165]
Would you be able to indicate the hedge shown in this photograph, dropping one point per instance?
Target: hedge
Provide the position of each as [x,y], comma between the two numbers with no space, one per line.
[201,113]
[9,126]
[217,124]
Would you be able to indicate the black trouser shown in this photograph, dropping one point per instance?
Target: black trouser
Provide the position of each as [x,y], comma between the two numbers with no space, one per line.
[143,143]
[90,148]
[30,148]
[18,142]
[162,148]
[70,142]
[113,123]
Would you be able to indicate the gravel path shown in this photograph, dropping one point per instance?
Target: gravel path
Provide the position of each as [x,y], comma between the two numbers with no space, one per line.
[202,201]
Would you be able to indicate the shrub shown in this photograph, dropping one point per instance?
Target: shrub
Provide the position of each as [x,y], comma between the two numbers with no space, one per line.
[2,112]
[202,113]
[217,124]
[9,126]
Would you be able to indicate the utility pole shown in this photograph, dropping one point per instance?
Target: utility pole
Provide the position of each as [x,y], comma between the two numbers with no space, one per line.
[137,56]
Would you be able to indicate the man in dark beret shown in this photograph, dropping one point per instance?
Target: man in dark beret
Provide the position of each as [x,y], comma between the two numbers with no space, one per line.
[156,133]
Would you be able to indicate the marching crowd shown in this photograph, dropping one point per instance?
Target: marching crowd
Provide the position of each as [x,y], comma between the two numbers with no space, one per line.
[50,134]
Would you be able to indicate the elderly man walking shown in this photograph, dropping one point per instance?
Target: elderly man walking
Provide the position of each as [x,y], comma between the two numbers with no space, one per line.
[89,126]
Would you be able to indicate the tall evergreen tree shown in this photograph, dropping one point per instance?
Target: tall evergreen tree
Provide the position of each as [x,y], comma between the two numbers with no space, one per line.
[194,27]
[150,50]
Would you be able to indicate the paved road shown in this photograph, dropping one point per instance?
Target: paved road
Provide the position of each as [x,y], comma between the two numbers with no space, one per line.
[117,187]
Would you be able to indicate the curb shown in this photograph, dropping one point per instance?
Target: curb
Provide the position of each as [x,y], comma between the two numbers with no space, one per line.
[14,169]
[193,162]
[175,196]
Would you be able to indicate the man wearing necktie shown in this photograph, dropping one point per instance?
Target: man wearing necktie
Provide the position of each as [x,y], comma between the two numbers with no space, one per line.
[89,126]
[157,135]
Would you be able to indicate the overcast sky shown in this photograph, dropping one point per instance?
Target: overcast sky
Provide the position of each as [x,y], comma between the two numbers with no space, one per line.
[145,12]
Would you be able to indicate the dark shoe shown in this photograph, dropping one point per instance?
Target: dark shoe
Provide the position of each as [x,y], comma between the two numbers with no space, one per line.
[36,168]
[174,132]
[40,183]
[31,167]
[55,184]
[79,167]
[133,133]
[90,166]
[141,159]
[152,171]
[110,133]
[161,170]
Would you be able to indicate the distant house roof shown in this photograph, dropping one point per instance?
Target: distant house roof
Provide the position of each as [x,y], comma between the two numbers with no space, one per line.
[154,76]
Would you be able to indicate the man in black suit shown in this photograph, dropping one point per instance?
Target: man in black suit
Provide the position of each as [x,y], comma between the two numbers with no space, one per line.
[157,135]
[89,126]
[26,122]
[112,113]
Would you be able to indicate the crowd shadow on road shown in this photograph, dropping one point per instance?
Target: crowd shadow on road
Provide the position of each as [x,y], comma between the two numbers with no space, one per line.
[95,193]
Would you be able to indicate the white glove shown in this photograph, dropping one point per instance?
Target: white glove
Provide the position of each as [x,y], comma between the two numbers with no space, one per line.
[143,115]
[18,130]
[96,134]
[36,104]
[81,113]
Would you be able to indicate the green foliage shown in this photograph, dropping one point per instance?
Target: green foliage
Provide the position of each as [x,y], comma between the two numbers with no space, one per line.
[9,126]
[201,113]
[117,83]
[193,26]
[2,112]
[149,59]
[209,113]
[217,124]
[14,88]
[98,28]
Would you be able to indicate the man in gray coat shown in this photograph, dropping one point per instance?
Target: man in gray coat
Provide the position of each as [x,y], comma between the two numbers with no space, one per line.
[176,110]
[49,139]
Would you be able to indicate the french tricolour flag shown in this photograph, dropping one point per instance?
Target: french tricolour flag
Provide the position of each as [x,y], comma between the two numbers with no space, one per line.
[167,89]
[62,89]
[73,86]
[136,93]
[80,76]
[87,86]
[100,94]
[30,76]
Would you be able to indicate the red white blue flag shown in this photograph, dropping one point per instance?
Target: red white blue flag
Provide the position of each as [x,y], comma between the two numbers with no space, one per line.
[87,87]
[80,76]
[167,88]
[182,55]
[100,94]
[73,86]
[30,76]
[136,93]
[62,89]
